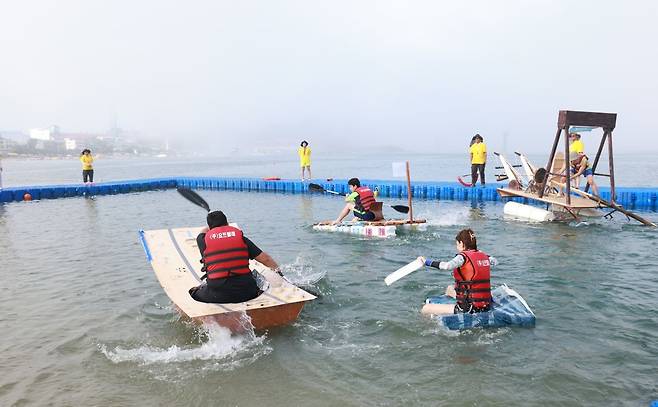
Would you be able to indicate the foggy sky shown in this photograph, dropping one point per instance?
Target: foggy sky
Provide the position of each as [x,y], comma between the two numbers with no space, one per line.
[420,75]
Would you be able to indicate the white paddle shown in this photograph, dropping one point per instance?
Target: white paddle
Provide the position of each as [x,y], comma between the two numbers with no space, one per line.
[403,271]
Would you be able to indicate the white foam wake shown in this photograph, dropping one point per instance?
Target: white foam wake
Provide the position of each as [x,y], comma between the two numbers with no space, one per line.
[220,346]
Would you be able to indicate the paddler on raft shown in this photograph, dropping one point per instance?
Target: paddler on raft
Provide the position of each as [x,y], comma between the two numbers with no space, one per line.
[360,201]
[471,271]
[225,253]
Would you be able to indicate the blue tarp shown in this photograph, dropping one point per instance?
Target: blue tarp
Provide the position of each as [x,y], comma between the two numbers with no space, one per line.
[509,309]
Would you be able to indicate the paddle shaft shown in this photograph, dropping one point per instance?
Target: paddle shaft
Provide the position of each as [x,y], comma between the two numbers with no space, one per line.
[320,188]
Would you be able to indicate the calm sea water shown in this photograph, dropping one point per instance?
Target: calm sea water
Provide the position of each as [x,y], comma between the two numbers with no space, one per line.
[85,322]
[630,170]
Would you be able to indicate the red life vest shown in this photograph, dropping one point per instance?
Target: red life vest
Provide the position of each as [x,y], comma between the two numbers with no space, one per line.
[366,198]
[472,283]
[226,253]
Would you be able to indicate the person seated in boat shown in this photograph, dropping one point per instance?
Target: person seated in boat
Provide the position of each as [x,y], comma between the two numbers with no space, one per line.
[225,253]
[471,271]
[580,165]
[359,201]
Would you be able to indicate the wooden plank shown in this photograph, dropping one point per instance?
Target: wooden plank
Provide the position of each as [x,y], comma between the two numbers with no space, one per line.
[568,118]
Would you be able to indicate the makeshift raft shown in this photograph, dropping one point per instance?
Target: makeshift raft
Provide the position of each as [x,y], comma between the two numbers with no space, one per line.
[382,228]
[509,308]
[174,256]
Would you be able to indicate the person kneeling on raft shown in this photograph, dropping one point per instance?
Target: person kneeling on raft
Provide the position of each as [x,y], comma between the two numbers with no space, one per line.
[225,253]
[359,201]
[471,270]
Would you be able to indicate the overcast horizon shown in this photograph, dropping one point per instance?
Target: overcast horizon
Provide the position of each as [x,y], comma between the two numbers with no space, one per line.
[422,76]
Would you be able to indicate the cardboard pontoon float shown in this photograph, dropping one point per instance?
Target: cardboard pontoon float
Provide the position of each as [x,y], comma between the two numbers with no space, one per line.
[545,187]
[382,228]
[174,256]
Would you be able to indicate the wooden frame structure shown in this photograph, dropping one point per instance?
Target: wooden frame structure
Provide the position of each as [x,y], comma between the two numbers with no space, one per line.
[568,118]
[539,187]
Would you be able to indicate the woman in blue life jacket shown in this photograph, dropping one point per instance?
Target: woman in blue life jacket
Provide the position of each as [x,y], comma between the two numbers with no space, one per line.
[359,201]
[225,253]
[471,271]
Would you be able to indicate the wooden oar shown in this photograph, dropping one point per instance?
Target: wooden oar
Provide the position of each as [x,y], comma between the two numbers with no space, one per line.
[320,188]
[404,271]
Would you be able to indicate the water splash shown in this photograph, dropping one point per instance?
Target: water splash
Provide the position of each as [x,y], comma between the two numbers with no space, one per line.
[220,345]
[449,216]
[300,272]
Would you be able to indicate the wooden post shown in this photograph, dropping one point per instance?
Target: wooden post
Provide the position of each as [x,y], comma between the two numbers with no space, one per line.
[549,166]
[567,165]
[411,210]
[598,155]
[612,168]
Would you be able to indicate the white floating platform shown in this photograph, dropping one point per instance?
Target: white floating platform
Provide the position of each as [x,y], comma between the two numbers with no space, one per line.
[384,228]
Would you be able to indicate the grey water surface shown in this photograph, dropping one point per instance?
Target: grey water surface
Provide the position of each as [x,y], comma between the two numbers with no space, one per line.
[85,322]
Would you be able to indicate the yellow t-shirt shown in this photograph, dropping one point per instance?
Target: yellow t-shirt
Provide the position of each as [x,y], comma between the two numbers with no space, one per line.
[304,156]
[479,151]
[86,161]
[577,146]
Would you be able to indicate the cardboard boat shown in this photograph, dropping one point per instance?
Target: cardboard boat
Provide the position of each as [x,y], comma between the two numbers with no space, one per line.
[174,256]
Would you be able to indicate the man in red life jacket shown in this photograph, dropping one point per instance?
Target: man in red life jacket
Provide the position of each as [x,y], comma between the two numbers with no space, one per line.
[359,201]
[225,252]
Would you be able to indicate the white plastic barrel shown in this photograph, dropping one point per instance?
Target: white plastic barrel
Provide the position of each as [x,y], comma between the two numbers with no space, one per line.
[532,213]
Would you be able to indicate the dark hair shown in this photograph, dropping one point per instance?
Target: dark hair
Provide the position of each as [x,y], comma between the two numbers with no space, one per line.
[467,237]
[304,142]
[473,140]
[354,181]
[86,150]
[216,219]
[477,136]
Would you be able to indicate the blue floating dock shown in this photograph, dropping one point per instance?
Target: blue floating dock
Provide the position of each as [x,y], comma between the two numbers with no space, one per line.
[630,198]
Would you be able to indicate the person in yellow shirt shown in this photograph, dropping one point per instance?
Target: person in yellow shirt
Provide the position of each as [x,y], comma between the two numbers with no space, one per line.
[304,153]
[478,151]
[87,168]
[575,145]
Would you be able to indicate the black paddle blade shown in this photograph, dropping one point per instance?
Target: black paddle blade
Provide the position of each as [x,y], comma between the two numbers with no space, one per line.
[315,187]
[401,208]
[193,197]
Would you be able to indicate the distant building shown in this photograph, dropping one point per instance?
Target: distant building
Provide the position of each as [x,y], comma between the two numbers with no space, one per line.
[5,145]
[70,144]
[47,134]
[15,137]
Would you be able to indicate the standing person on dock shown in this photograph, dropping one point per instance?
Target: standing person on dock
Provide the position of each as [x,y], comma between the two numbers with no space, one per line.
[359,200]
[478,152]
[575,145]
[225,253]
[304,153]
[87,166]
[471,271]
